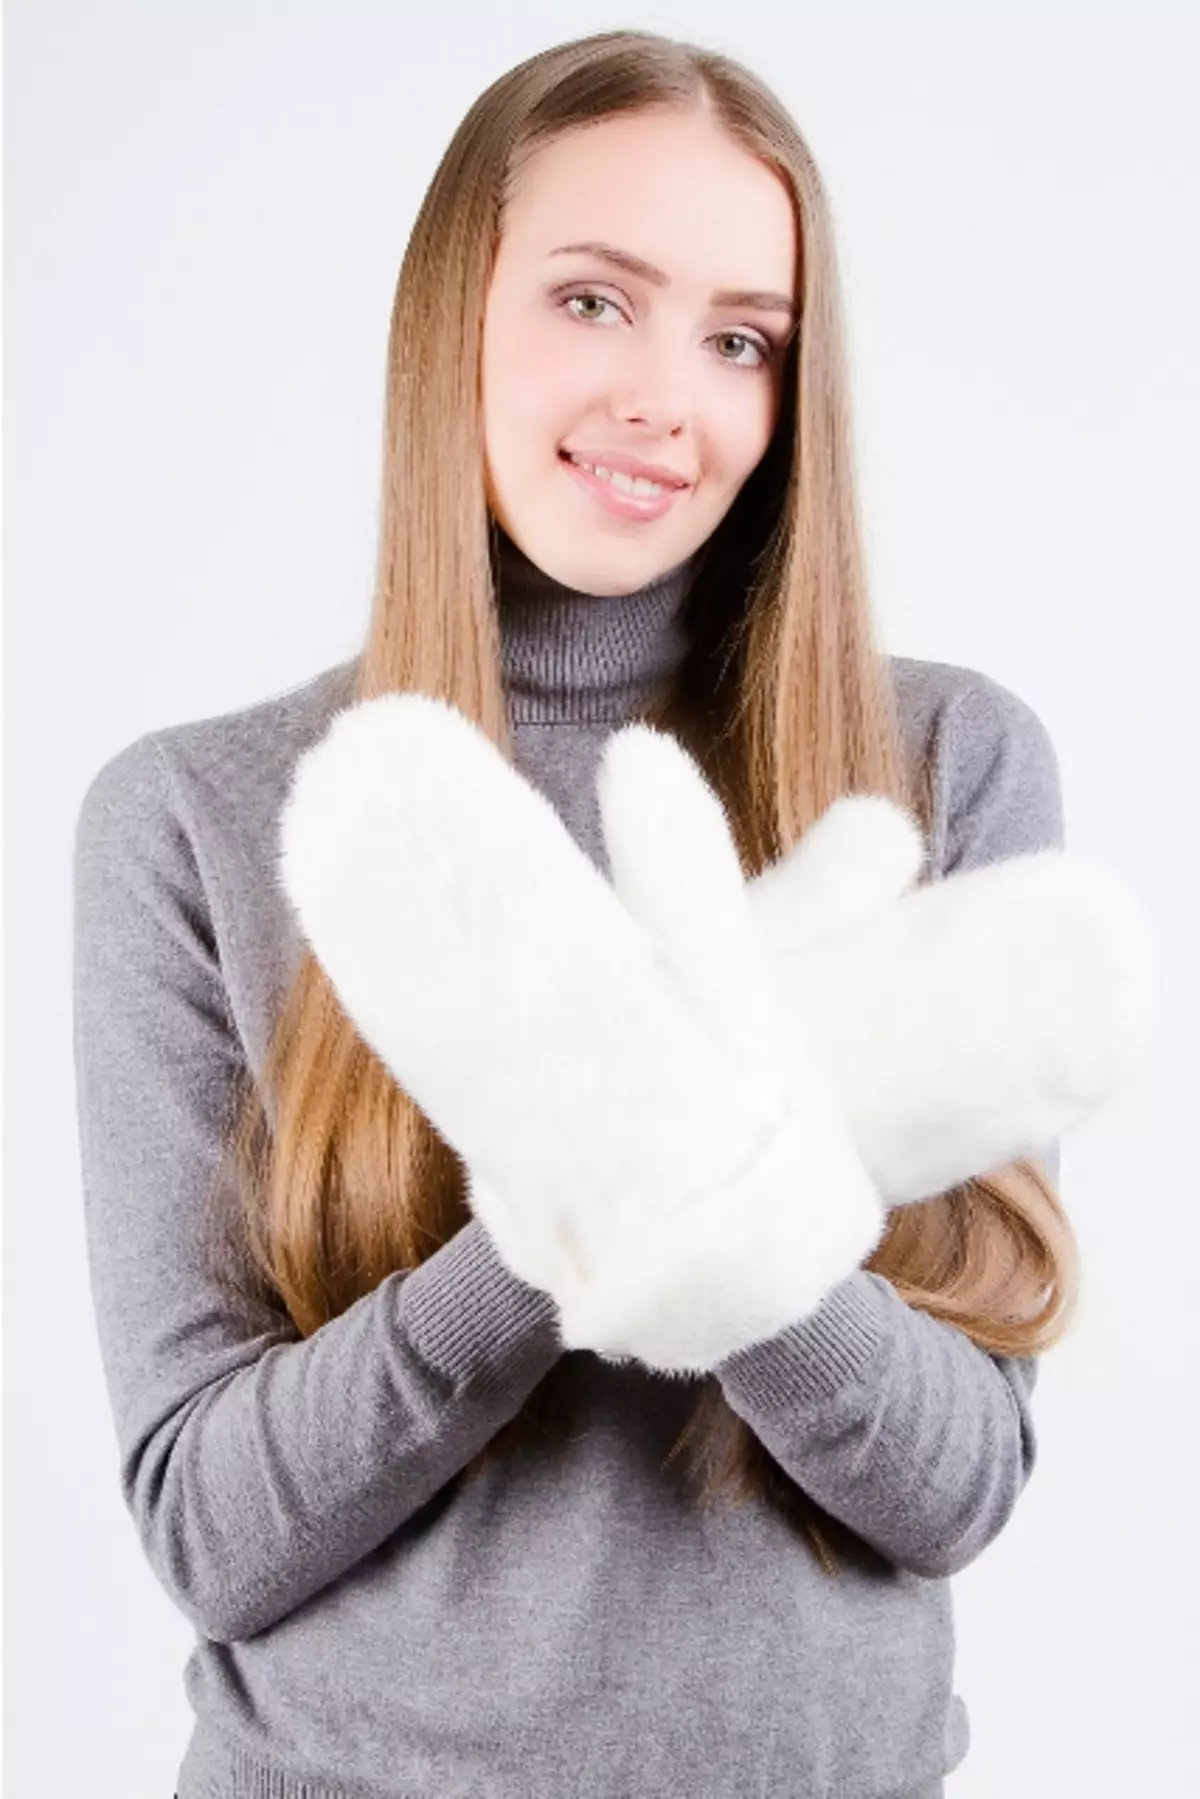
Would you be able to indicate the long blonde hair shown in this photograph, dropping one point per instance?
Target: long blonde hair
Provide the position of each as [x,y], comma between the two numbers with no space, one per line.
[783,698]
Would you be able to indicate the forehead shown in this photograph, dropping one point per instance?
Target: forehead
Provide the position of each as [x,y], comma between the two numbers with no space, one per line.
[671,188]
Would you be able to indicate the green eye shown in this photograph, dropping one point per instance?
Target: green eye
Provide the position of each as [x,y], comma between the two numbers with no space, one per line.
[739,337]
[598,298]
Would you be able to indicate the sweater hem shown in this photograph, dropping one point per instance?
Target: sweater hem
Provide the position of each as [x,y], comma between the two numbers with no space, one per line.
[217,1767]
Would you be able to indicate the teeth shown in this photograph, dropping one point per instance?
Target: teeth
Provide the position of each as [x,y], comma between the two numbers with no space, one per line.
[637,484]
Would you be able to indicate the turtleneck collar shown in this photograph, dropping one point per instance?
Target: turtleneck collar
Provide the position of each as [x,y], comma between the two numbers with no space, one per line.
[579,658]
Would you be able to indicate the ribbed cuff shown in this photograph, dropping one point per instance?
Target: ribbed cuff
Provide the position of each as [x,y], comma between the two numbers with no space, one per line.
[835,1346]
[471,1318]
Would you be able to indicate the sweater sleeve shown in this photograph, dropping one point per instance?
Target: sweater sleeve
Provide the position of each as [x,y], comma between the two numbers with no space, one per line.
[895,1422]
[257,1465]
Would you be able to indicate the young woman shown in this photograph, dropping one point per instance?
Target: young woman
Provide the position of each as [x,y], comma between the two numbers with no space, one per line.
[426,1551]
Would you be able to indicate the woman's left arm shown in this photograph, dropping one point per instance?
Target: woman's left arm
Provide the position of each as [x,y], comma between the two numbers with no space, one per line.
[894,1422]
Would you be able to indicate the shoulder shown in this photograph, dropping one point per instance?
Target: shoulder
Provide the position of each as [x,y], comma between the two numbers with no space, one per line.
[995,772]
[984,711]
[232,762]
[250,743]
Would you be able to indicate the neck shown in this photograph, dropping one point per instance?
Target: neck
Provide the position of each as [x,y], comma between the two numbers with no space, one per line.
[573,657]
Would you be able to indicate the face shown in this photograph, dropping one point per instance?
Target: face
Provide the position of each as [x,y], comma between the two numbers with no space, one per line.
[676,363]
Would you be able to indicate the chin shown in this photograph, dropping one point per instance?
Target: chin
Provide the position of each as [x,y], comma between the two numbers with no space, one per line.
[610,573]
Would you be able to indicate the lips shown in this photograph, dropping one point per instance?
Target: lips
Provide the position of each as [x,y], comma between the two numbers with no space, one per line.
[638,507]
[620,464]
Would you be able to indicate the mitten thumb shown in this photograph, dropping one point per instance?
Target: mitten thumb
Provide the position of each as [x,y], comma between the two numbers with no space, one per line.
[863,853]
[675,867]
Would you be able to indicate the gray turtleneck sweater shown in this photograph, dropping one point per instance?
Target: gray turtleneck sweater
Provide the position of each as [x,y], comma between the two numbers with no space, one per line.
[569,1625]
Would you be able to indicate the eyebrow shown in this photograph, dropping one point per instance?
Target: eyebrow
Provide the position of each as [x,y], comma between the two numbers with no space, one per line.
[760,299]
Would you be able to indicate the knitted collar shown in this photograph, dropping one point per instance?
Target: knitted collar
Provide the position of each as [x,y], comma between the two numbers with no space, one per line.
[571,657]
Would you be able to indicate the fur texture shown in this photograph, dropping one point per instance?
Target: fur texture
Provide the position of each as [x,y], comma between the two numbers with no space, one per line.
[678,1097]
[972,1021]
[959,1025]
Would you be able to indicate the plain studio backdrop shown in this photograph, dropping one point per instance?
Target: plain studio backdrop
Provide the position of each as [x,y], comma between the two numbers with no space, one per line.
[207,204]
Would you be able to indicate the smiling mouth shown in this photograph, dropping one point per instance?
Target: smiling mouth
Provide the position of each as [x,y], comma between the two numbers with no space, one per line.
[635,485]
[636,507]
[636,500]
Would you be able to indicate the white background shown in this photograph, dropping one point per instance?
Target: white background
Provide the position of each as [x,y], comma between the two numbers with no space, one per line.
[207,205]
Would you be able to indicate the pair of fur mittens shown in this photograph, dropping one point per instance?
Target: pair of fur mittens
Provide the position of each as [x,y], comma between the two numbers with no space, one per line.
[684,1101]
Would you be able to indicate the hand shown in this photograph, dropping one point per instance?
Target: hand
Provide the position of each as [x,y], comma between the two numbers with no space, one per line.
[968,1022]
[632,1145]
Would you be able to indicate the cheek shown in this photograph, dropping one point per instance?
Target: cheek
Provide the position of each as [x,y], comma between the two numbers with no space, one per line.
[532,380]
[743,428]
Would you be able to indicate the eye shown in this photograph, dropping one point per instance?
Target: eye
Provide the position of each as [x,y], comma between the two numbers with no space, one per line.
[598,298]
[738,337]
[764,350]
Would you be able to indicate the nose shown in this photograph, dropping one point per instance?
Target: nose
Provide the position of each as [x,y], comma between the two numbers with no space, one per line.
[652,390]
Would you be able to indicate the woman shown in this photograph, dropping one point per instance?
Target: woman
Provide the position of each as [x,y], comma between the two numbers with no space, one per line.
[426,1550]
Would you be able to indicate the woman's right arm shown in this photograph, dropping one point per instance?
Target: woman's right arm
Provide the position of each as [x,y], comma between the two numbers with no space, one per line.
[257,1465]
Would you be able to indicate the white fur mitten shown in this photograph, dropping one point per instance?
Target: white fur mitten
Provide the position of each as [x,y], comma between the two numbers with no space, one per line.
[967,1023]
[634,1145]
[960,1024]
